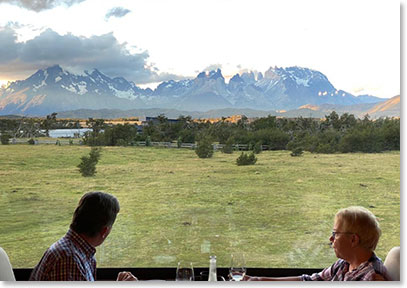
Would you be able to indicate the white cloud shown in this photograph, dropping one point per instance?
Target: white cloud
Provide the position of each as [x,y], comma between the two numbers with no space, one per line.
[40,5]
[117,12]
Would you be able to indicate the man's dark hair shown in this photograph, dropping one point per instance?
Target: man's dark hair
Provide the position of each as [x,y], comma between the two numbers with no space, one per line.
[95,211]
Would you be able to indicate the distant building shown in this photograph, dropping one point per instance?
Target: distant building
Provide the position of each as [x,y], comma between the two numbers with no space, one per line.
[155,120]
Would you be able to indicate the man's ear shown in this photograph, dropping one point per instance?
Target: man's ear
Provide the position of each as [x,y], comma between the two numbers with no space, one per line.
[105,231]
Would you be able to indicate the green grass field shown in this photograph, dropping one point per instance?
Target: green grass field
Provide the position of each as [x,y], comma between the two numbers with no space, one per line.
[175,206]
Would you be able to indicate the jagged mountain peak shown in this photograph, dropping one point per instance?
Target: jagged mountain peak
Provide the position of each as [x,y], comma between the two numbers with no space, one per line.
[96,73]
[213,74]
[273,72]
[173,83]
[236,78]
[42,77]
[288,70]
[295,72]
[201,75]
[300,76]
[300,72]
[55,69]
[39,75]
[248,77]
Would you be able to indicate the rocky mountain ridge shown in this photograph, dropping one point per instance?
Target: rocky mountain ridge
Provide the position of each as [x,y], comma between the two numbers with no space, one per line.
[54,89]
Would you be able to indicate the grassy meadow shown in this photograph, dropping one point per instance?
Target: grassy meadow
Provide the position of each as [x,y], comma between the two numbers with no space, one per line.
[175,206]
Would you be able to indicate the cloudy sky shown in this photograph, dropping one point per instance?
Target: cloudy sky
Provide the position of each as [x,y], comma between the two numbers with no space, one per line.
[355,43]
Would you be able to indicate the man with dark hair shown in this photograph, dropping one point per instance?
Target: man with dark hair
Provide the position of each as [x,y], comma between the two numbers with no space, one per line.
[72,257]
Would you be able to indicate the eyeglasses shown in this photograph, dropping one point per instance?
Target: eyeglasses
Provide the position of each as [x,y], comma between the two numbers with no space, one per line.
[337,232]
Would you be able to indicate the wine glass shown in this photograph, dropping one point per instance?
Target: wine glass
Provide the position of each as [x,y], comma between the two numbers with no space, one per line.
[185,272]
[237,267]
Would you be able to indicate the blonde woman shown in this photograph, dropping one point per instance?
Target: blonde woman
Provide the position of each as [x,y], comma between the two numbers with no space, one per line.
[355,235]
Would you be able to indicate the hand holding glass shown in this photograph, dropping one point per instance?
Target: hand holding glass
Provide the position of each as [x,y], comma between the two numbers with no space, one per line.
[185,272]
[237,267]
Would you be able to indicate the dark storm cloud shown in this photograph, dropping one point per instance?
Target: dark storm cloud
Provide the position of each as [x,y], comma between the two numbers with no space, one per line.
[117,12]
[76,53]
[9,47]
[39,5]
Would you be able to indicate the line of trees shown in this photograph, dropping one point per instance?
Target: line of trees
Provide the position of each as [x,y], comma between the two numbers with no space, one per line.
[26,127]
[335,133]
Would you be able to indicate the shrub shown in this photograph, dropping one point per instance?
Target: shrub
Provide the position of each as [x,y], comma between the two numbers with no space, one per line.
[94,139]
[246,159]
[5,138]
[275,138]
[296,151]
[148,141]
[204,148]
[31,142]
[257,148]
[324,148]
[362,140]
[122,142]
[87,167]
[228,147]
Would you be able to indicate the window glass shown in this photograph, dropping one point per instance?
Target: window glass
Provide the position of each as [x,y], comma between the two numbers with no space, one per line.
[176,206]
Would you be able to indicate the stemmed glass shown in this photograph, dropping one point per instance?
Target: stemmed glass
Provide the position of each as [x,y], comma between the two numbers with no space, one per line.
[237,267]
[185,272]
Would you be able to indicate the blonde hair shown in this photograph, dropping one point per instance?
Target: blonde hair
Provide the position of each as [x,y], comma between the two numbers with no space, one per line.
[362,222]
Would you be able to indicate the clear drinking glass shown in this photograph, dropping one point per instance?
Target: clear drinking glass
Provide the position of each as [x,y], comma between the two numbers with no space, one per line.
[237,267]
[185,272]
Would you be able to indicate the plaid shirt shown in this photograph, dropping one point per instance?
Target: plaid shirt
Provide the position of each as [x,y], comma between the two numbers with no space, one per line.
[371,270]
[69,259]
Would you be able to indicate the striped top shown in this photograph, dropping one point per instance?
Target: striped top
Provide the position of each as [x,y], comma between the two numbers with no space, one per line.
[69,259]
[371,270]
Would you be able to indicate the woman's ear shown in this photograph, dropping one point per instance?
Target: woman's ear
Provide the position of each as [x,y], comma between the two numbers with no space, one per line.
[355,240]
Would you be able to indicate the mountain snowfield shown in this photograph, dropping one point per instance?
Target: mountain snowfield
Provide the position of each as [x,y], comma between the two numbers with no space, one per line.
[54,89]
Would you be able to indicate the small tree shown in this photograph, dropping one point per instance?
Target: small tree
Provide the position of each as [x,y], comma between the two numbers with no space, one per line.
[257,148]
[87,167]
[228,147]
[204,148]
[296,151]
[5,138]
[246,159]
[148,141]
[122,142]
[47,123]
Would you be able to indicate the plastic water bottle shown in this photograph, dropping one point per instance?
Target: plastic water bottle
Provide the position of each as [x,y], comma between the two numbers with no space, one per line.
[212,269]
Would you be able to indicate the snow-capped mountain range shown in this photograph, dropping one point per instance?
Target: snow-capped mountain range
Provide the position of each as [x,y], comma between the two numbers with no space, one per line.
[55,89]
